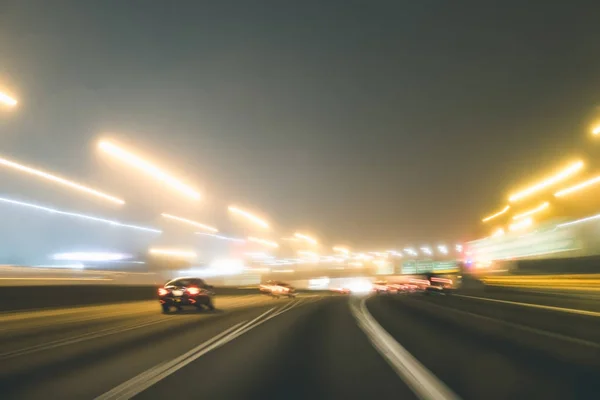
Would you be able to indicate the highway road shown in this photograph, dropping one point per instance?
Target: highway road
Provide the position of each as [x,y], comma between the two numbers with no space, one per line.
[498,345]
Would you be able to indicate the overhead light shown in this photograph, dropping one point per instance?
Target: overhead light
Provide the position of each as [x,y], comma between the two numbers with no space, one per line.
[565,173]
[539,208]
[577,187]
[305,237]
[248,215]
[262,241]
[190,222]
[147,167]
[61,181]
[505,209]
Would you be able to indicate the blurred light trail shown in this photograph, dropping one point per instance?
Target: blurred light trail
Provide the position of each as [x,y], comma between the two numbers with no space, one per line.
[190,222]
[7,100]
[148,168]
[221,237]
[498,232]
[596,130]
[443,249]
[521,224]
[283,271]
[62,181]
[564,174]
[412,252]
[308,253]
[539,208]
[505,209]
[290,239]
[341,249]
[76,215]
[577,187]
[262,241]
[90,256]
[305,237]
[173,253]
[248,215]
[459,248]
[579,221]
[66,266]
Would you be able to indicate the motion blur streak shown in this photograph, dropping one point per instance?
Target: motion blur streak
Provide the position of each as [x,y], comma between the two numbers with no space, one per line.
[62,181]
[577,187]
[7,100]
[173,253]
[505,209]
[147,167]
[539,208]
[221,237]
[340,249]
[578,221]
[190,222]
[248,215]
[263,241]
[521,224]
[82,216]
[564,174]
[305,237]
[90,256]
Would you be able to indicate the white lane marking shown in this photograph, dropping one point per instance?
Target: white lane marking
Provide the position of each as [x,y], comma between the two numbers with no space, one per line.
[146,379]
[76,339]
[421,381]
[540,306]
[519,326]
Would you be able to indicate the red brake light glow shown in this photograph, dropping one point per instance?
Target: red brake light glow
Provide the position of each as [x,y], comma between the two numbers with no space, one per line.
[193,290]
[162,292]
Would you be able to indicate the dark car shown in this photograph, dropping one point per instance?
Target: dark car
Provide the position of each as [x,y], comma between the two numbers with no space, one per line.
[185,292]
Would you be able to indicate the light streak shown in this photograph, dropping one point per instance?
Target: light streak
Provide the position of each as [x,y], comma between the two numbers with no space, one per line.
[77,215]
[577,187]
[305,237]
[443,249]
[148,168]
[505,209]
[221,237]
[248,215]
[565,173]
[90,256]
[539,208]
[341,249]
[525,223]
[190,222]
[262,241]
[579,221]
[62,181]
[498,232]
[173,253]
[7,100]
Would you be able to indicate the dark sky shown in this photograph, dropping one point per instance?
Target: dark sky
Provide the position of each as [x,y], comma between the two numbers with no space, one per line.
[373,123]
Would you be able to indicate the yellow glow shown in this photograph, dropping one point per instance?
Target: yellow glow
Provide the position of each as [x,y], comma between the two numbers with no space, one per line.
[148,168]
[539,208]
[565,173]
[7,100]
[305,237]
[596,130]
[173,253]
[505,209]
[190,222]
[498,232]
[341,249]
[521,224]
[577,187]
[262,241]
[248,215]
[62,181]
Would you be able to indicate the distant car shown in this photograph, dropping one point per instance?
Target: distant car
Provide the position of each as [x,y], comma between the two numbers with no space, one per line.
[186,292]
[277,289]
[341,290]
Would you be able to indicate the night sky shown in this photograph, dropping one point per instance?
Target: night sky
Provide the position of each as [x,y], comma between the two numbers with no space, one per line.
[369,123]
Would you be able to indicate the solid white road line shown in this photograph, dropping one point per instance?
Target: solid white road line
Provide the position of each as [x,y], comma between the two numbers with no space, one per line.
[155,374]
[421,381]
[540,306]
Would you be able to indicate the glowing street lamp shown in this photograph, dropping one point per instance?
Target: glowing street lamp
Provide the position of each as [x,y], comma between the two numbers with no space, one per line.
[562,175]
[539,208]
[249,216]
[7,100]
[61,181]
[147,167]
[499,213]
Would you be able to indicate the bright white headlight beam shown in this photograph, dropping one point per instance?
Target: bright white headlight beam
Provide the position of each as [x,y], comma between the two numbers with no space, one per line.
[77,215]
[190,222]
[59,180]
[147,167]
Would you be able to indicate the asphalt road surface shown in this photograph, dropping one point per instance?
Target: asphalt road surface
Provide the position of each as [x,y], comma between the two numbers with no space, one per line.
[469,345]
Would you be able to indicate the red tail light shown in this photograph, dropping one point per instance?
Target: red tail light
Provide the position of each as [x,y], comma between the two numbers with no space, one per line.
[193,290]
[162,291]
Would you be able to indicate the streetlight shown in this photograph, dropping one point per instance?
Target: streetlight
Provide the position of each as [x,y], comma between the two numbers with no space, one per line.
[7,100]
